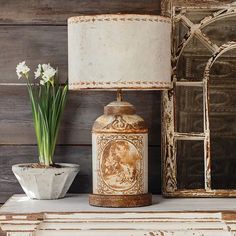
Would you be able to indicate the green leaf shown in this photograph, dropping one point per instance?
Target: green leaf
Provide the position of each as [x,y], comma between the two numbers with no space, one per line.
[47,103]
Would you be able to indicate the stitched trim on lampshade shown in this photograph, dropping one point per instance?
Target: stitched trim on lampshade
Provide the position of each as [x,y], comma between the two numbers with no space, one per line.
[128,84]
[80,19]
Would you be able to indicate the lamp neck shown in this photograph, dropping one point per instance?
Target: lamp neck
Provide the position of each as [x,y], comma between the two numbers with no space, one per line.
[119,95]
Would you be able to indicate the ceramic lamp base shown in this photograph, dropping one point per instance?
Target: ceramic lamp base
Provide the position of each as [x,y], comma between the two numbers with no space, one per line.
[138,200]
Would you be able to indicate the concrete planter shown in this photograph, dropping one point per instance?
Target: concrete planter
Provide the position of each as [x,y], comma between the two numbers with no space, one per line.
[45,183]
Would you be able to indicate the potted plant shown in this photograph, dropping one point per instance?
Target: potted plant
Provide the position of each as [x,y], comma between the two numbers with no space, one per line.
[45,179]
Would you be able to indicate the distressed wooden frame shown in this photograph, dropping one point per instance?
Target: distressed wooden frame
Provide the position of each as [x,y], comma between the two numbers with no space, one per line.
[174,9]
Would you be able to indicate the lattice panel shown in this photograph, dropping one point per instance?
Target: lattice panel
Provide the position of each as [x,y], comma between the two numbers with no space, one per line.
[199,136]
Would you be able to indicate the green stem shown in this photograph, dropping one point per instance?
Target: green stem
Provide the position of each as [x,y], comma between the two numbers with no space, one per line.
[47,103]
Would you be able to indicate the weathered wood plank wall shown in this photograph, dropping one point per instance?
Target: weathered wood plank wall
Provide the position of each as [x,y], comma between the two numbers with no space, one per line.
[36,31]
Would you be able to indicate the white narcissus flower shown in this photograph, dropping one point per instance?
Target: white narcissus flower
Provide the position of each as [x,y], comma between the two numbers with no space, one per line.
[46,66]
[38,71]
[48,74]
[42,82]
[22,69]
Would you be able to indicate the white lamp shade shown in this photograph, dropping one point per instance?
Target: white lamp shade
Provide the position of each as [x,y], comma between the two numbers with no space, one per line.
[119,52]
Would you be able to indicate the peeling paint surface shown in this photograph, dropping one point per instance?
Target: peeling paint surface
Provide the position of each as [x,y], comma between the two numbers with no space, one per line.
[166,217]
[181,13]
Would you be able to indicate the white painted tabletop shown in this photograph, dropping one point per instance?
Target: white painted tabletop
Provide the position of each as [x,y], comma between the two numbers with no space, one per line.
[20,204]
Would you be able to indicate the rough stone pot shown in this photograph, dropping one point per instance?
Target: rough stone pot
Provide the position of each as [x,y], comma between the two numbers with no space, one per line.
[45,183]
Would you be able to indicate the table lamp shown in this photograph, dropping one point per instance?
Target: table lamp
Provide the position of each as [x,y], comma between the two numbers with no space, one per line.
[119,52]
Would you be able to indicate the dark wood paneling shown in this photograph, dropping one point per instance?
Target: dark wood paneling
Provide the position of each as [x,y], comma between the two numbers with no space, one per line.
[82,109]
[41,44]
[10,155]
[57,11]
